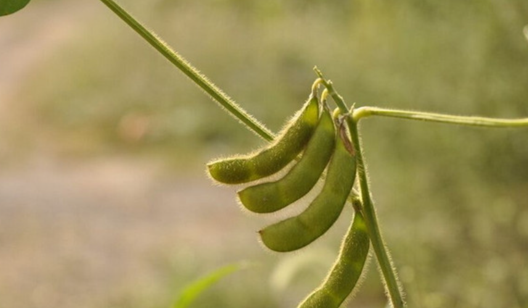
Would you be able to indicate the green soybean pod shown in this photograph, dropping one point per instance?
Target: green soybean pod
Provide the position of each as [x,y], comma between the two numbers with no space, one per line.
[346,271]
[298,231]
[272,196]
[289,143]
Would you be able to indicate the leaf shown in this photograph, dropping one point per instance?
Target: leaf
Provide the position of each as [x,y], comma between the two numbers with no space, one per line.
[194,289]
[11,6]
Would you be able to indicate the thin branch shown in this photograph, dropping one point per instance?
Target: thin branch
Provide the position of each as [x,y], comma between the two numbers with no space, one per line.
[364,112]
[382,255]
[185,67]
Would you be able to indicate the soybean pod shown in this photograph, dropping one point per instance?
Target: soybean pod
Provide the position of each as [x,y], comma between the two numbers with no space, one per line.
[272,196]
[289,143]
[346,271]
[299,231]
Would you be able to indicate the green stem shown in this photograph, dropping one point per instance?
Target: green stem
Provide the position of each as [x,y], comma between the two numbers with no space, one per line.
[364,112]
[369,212]
[191,72]
[340,102]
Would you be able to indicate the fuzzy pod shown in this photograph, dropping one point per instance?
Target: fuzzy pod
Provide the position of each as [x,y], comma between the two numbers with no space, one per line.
[271,159]
[347,270]
[272,196]
[298,231]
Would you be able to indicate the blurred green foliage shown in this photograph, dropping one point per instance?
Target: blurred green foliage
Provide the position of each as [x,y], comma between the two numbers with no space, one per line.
[452,200]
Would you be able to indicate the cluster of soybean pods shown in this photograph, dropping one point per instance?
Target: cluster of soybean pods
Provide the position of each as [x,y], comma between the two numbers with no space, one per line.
[317,143]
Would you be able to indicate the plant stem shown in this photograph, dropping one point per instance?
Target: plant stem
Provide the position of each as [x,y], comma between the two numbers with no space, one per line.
[364,112]
[340,102]
[369,213]
[191,72]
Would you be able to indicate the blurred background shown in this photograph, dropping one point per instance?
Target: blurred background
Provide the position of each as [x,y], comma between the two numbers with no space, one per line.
[104,201]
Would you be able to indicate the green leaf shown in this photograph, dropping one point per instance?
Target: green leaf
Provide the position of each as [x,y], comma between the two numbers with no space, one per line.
[10,6]
[194,289]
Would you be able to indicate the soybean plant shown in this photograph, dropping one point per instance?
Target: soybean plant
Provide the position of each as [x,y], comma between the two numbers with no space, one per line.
[319,142]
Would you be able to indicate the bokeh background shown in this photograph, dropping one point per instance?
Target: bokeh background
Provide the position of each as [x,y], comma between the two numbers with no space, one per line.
[104,201]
